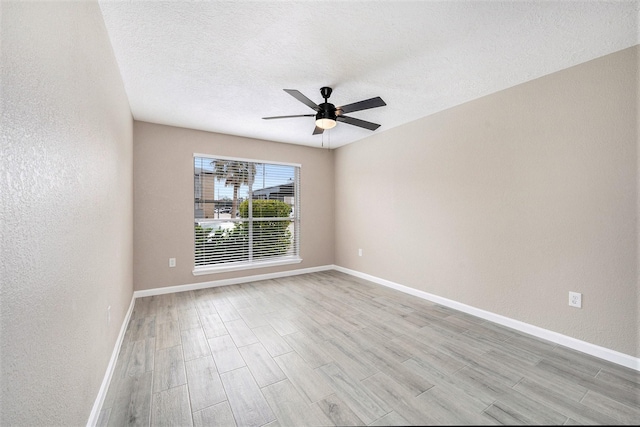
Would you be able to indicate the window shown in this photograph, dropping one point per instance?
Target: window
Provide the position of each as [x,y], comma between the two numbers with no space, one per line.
[246,213]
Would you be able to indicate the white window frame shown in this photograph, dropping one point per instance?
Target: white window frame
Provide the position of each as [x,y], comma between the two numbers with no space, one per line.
[276,261]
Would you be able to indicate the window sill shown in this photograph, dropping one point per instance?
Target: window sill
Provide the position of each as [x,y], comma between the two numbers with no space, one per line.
[200,271]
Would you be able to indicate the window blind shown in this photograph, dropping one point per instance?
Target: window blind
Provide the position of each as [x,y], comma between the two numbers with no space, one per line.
[246,213]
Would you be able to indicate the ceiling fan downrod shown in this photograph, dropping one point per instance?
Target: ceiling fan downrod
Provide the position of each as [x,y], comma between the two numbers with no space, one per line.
[326,110]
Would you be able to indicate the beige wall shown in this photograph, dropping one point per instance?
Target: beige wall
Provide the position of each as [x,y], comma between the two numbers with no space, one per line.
[67,214]
[163,201]
[508,202]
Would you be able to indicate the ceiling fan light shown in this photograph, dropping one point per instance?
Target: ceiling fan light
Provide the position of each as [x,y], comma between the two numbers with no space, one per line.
[325,123]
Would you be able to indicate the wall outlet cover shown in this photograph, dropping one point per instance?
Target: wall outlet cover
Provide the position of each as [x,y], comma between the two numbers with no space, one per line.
[575,299]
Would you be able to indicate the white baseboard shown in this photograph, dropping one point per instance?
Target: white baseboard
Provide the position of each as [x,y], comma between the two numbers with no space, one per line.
[97,405]
[555,337]
[226,282]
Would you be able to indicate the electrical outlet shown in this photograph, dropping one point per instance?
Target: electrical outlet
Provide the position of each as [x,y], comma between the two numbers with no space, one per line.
[575,299]
[359,252]
[172,262]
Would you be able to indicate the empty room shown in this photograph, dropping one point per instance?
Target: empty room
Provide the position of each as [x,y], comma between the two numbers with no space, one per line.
[312,213]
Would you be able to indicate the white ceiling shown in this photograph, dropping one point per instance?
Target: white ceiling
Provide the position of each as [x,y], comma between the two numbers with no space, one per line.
[220,66]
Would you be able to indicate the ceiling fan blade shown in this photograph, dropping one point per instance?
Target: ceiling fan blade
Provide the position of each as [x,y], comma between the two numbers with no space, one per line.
[300,97]
[363,105]
[358,122]
[288,117]
[317,131]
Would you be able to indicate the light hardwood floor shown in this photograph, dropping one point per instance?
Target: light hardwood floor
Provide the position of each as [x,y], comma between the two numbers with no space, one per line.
[331,349]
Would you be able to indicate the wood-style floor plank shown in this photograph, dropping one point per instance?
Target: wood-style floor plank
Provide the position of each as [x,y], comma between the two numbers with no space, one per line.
[525,411]
[282,325]
[557,401]
[247,403]
[398,397]
[171,408]
[468,411]
[311,385]
[205,385]
[350,359]
[240,333]
[167,334]
[254,316]
[272,341]
[188,319]
[566,371]
[225,353]
[290,408]
[141,357]
[194,344]
[204,304]
[262,366]
[141,328]
[310,351]
[366,405]
[216,415]
[225,309]
[464,391]
[413,382]
[339,412]
[326,348]
[391,419]
[168,369]
[133,401]
[625,414]
[213,326]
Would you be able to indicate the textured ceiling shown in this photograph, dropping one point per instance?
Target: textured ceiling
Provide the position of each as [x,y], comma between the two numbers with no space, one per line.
[221,66]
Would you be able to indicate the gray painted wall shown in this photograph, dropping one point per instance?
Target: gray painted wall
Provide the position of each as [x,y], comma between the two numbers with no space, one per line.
[67,210]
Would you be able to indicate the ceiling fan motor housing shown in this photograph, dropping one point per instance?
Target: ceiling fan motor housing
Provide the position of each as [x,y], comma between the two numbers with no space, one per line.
[327,111]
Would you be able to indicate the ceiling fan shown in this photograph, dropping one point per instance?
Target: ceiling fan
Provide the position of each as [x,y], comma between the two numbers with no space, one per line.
[328,114]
